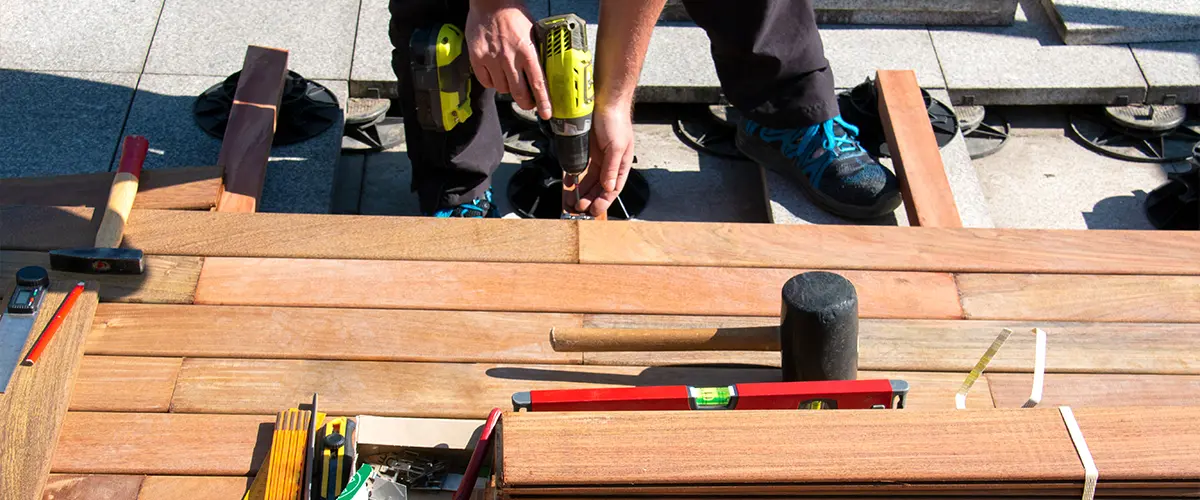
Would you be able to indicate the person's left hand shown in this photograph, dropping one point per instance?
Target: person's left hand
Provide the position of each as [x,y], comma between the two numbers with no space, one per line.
[611,154]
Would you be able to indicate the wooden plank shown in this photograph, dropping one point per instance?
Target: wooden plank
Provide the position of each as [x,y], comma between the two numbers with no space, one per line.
[313,333]
[163,443]
[915,155]
[551,287]
[1058,297]
[951,345]
[33,409]
[91,487]
[29,227]
[1010,390]
[185,188]
[251,128]
[455,390]
[168,279]
[121,383]
[891,248]
[176,487]
[1136,443]
[173,232]
[561,449]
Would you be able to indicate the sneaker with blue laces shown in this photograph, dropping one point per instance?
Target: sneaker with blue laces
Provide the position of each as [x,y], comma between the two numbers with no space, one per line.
[478,208]
[828,163]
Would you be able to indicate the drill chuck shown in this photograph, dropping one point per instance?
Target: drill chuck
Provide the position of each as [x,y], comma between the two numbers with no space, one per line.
[572,152]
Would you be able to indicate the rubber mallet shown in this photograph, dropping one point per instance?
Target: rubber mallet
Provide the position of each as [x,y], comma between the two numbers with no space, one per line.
[818,327]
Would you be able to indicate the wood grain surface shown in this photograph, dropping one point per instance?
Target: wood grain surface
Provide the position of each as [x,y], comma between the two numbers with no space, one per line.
[455,390]
[166,188]
[1142,443]
[891,248]
[28,227]
[195,487]
[163,443]
[753,338]
[32,410]
[914,150]
[125,383]
[167,279]
[318,333]
[174,232]
[561,449]
[952,345]
[1061,297]
[551,287]
[247,142]
[1097,390]
[91,487]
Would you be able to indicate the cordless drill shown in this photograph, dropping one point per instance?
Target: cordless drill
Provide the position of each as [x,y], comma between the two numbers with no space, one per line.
[563,50]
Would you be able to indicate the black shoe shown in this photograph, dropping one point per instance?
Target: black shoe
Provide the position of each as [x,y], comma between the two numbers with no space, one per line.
[827,161]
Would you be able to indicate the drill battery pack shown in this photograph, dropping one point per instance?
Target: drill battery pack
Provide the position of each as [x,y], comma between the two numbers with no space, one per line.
[441,77]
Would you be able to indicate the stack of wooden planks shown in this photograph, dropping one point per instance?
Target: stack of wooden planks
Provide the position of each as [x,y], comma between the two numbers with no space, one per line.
[1138,451]
[241,315]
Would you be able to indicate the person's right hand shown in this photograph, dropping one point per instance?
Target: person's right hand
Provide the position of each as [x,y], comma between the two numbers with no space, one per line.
[503,54]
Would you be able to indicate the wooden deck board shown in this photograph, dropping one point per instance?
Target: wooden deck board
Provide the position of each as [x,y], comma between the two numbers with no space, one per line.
[92,487]
[560,449]
[125,383]
[891,248]
[188,188]
[453,390]
[551,287]
[158,443]
[951,345]
[1058,297]
[33,409]
[200,487]
[168,279]
[1155,443]
[321,333]
[173,232]
[1010,390]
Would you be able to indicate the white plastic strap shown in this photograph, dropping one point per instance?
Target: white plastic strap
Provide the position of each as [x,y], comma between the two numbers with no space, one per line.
[1039,369]
[1090,474]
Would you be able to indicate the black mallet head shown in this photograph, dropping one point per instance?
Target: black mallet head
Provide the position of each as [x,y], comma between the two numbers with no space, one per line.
[98,260]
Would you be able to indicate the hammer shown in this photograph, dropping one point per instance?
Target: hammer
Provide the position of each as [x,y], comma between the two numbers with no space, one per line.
[105,257]
[817,336]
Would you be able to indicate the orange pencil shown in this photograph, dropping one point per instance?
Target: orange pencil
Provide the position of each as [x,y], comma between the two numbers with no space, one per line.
[52,326]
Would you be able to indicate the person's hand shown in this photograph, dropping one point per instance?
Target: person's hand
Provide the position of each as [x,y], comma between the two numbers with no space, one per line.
[611,155]
[503,54]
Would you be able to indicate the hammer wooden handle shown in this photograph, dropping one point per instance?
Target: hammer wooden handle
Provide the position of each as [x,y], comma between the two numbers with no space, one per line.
[123,191]
[755,338]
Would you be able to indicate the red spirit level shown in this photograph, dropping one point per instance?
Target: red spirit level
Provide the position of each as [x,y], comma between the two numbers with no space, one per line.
[824,395]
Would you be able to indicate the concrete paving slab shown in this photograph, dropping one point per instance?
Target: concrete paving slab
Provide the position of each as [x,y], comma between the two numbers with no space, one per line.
[1083,22]
[1171,69]
[1044,179]
[371,74]
[893,12]
[58,123]
[299,176]
[1027,64]
[679,67]
[209,37]
[67,35]
[857,52]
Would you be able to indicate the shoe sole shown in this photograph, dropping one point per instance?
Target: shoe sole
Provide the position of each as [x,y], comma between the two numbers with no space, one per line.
[883,207]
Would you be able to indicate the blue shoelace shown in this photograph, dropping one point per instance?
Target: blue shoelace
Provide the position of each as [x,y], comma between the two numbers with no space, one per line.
[797,143]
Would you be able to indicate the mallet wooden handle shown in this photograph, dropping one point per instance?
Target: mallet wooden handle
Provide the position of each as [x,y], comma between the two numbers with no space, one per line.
[123,191]
[755,338]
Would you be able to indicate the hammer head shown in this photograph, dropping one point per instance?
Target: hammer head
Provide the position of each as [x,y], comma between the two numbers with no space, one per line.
[97,260]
